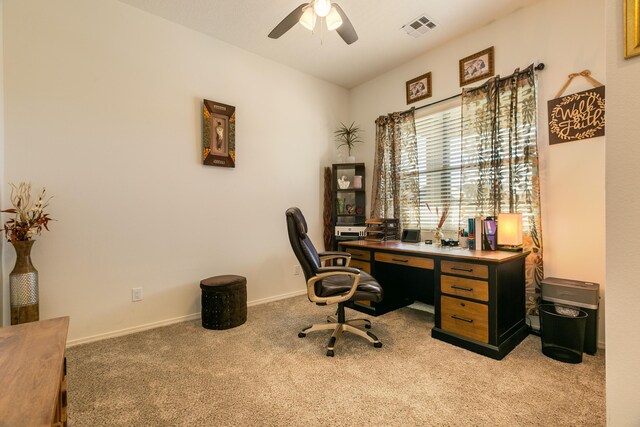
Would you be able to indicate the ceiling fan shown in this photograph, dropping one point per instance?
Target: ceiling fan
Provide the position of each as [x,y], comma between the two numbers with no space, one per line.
[307,14]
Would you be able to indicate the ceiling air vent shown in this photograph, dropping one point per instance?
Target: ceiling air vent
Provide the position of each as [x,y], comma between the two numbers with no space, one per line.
[419,26]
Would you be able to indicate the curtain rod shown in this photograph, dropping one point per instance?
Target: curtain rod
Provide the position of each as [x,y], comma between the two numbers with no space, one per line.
[538,67]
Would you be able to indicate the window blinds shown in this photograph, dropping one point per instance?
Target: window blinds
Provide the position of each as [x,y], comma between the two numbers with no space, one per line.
[438,135]
[442,156]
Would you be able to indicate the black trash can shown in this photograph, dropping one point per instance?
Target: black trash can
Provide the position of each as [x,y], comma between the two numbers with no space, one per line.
[574,293]
[562,332]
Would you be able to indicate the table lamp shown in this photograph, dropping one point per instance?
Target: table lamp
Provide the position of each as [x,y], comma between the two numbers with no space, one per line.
[510,232]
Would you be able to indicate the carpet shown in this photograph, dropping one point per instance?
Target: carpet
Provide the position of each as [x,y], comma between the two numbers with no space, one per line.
[262,374]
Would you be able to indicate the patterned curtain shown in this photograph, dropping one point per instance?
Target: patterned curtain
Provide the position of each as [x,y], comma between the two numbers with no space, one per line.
[395,194]
[500,161]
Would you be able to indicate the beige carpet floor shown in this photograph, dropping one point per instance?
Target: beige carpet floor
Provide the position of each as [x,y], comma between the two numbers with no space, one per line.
[262,374]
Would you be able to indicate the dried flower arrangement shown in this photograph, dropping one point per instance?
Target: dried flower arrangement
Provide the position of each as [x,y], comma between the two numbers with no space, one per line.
[443,216]
[29,218]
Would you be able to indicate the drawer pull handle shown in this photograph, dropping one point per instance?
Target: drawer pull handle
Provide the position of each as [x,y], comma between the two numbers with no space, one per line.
[468,270]
[399,260]
[462,288]
[462,318]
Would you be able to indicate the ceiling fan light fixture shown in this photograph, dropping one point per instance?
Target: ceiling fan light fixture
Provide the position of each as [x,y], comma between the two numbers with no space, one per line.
[322,7]
[334,21]
[308,19]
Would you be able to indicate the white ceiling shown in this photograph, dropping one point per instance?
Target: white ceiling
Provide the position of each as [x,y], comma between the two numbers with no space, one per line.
[382,45]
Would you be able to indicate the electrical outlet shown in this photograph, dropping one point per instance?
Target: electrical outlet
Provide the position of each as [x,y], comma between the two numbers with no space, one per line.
[136,294]
[296,270]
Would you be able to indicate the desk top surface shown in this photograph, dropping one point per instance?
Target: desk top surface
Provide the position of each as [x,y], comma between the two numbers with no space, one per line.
[422,248]
[31,358]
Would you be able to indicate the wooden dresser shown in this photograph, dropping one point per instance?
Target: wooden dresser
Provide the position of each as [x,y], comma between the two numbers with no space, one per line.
[478,296]
[33,373]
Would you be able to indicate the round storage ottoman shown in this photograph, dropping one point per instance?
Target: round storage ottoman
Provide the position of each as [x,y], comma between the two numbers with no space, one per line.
[224,301]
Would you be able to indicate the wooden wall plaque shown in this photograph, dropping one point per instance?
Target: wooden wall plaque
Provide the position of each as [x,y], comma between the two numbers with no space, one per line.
[577,116]
[218,134]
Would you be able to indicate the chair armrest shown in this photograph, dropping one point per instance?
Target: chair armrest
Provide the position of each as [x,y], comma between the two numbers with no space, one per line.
[329,255]
[323,273]
[337,269]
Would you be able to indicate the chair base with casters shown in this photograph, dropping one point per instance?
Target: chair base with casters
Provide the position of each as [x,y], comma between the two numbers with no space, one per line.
[335,284]
[339,325]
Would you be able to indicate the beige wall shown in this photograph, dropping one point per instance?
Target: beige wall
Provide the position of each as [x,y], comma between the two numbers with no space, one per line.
[572,174]
[623,211]
[103,107]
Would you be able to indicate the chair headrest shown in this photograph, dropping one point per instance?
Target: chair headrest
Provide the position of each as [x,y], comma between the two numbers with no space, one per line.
[298,219]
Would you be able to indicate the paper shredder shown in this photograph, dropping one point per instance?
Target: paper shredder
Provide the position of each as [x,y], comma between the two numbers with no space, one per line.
[582,295]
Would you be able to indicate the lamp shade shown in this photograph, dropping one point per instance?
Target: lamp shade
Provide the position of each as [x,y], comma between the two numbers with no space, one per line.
[308,19]
[322,7]
[510,229]
[333,19]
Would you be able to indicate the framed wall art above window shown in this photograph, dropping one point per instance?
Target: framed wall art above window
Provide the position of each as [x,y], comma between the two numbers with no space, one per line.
[476,67]
[419,88]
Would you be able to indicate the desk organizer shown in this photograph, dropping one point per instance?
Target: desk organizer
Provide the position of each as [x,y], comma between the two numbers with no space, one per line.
[382,229]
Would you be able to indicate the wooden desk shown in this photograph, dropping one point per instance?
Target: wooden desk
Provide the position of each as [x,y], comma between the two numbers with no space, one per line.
[478,296]
[33,378]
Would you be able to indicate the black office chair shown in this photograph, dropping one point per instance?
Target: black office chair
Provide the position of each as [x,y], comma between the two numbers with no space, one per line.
[331,285]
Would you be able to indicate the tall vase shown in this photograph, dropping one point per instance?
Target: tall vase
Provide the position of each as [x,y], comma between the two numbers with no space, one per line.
[23,283]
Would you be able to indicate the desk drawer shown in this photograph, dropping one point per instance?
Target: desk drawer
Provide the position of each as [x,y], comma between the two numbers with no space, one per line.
[361,265]
[469,319]
[411,261]
[465,269]
[469,288]
[361,254]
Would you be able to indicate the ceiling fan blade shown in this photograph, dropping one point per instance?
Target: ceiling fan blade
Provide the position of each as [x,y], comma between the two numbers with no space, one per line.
[287,23]
[346,30]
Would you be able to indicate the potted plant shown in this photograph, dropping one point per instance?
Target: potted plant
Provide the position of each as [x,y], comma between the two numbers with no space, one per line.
[348,136]
[28,220]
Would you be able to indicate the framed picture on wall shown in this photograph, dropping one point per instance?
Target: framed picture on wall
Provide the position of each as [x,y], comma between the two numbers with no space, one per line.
[631,28]
[419,88]
[218,134]
[476,67]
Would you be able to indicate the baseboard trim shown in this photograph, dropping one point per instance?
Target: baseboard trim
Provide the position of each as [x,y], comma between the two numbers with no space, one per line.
[277,297]
[132,330]
[166,322]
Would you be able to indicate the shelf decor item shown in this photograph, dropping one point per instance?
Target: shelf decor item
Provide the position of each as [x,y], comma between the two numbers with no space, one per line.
[29,219]
[348,136]
[343,183]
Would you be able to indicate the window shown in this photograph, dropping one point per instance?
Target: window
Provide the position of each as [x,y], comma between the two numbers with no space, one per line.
[442,157]
[438,135]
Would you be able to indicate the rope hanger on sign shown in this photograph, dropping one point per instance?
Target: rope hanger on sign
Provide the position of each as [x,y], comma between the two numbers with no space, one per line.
[584,73]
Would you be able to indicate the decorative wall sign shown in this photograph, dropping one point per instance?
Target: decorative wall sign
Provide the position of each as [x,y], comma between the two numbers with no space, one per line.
[631,28]
[578,116]
[477,67]
[419,88]
[219,134]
